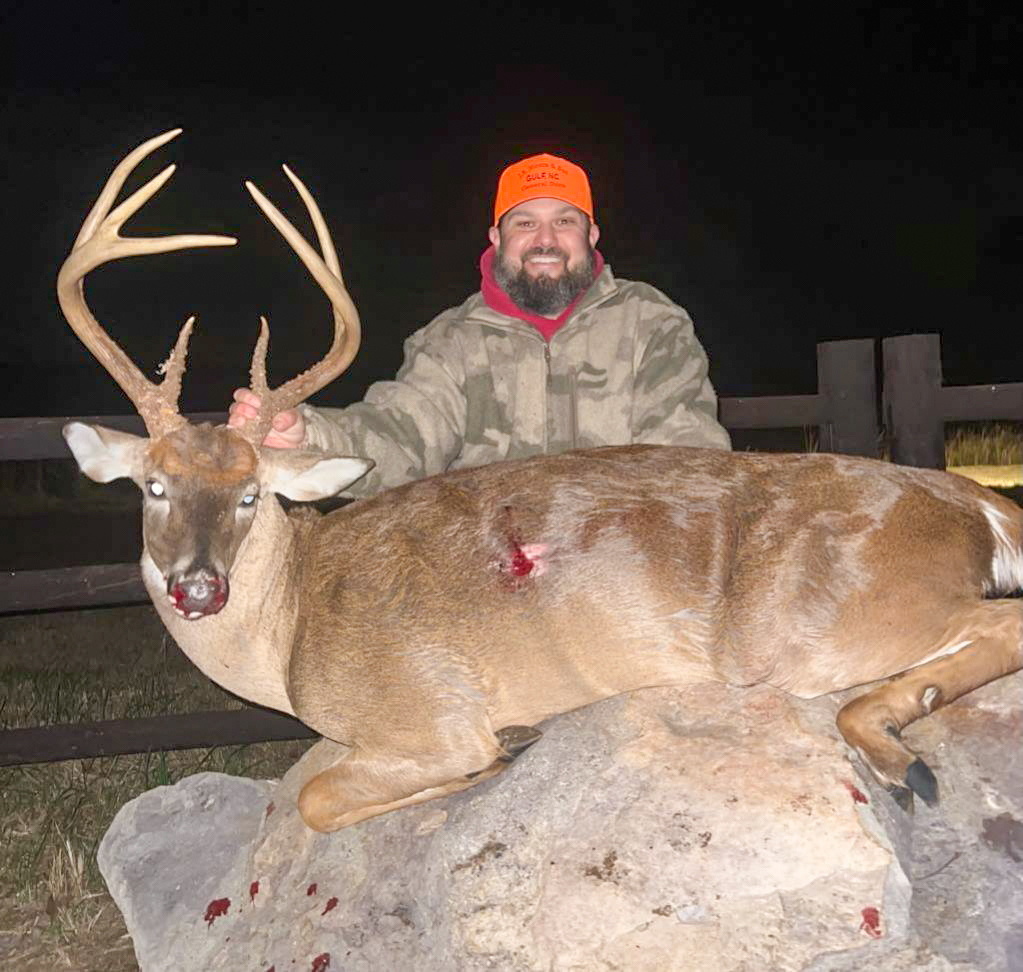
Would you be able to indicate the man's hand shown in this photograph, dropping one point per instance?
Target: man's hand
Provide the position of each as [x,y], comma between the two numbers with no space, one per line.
[288,431]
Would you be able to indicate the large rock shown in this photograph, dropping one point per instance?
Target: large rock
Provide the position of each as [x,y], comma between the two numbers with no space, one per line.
[172,847]
[706,829]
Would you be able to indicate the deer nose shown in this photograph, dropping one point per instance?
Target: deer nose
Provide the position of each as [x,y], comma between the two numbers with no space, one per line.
[197,592]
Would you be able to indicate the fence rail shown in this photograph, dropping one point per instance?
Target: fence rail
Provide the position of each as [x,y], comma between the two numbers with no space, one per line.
[71,587]
[845,409]
[117,737]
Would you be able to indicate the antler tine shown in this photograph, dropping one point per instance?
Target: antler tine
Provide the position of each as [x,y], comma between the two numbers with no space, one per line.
[116,180]
[98,242]
[347,330]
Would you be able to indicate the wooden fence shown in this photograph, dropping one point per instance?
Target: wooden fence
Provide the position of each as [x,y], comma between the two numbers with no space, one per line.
[917,405]
[845,410]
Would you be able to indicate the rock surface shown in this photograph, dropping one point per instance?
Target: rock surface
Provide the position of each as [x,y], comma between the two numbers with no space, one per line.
[706,829]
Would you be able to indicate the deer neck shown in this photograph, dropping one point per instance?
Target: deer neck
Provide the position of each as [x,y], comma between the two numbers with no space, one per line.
[246,647]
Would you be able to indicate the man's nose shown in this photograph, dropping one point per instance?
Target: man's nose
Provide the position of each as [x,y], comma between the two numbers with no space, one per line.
[545,235]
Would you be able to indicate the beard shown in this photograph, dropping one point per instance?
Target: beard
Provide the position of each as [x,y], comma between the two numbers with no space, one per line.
[542,294]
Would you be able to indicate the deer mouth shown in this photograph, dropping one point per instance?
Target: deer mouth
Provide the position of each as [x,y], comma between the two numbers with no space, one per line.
[197,593]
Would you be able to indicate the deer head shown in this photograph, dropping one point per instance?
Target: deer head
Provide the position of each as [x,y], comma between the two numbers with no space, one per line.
[202,485]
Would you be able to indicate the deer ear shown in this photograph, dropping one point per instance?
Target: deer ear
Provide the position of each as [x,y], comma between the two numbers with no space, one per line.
[302,475]
[106,454]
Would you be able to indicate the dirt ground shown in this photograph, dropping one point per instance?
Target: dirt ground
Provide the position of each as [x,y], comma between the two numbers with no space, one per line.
[31,941]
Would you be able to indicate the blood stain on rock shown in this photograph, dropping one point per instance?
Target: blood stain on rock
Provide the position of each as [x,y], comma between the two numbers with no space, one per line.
[216,908]
[871,923]
[331,905]
[857,794]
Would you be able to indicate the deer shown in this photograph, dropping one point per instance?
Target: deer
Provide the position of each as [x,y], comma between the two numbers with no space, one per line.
[433,626]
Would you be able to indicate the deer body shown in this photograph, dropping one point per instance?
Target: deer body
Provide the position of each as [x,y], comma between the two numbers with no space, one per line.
[431,627]
[409,628]
[654,574]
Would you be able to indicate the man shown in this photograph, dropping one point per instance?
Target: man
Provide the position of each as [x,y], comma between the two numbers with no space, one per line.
[552,354]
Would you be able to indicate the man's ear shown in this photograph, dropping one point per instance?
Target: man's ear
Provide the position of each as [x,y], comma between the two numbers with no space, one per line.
[303,475]
[495,237]
[594,234]
[105,454]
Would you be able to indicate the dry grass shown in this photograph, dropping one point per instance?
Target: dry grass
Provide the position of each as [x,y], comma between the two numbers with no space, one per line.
[984,444]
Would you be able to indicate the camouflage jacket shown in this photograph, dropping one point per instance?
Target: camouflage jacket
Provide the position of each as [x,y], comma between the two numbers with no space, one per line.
[478,386]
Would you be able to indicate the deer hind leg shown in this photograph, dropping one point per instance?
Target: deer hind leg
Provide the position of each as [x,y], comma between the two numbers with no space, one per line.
[987,644]
[360,785]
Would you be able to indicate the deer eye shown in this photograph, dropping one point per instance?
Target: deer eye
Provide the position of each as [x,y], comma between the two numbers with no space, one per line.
[249,499]
[155,488]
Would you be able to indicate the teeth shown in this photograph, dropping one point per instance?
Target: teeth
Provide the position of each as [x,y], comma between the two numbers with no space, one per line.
[194,615]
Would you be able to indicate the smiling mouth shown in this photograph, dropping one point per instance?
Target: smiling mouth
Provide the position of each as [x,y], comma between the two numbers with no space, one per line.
[544,262]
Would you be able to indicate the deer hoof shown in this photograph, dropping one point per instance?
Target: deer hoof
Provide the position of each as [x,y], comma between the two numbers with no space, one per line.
[515,740]
[922,782]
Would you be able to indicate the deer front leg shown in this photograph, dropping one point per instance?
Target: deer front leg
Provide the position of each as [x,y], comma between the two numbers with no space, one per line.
[366,784]
[987,643]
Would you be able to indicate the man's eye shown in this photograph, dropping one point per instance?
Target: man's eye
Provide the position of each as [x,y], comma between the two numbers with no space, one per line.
[155,488]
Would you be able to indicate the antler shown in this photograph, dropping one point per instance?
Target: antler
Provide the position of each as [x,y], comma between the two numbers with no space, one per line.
[347,331]
[99,242]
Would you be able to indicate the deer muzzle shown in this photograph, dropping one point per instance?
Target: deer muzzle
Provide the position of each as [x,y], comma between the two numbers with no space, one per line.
[197,592]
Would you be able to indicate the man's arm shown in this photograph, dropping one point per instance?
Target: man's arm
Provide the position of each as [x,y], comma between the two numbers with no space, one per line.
[410,427]
[674,402]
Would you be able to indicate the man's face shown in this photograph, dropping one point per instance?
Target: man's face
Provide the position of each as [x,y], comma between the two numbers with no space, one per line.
[545,254]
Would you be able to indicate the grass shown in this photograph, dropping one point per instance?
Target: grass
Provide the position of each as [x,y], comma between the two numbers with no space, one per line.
[984,444]
[55,910]
[966,443]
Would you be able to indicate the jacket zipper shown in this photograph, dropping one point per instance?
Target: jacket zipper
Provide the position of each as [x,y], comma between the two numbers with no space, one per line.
[548,411]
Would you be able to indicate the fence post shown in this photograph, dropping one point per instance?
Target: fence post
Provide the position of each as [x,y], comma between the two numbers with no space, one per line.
[912,410]
[847,383]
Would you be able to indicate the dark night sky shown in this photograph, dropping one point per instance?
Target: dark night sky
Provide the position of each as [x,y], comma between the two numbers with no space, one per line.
[792,177]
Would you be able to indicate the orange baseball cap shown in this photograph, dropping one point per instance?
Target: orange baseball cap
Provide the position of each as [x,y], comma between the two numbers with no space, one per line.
[542,176]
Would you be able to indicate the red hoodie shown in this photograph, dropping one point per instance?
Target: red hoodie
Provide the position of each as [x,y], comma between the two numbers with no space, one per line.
[497,299]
